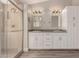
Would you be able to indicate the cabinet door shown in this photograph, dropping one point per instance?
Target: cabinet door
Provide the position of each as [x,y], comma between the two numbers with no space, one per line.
[32,41]
[70,42]
[70,20]
[63,42]
[76,31]
[75,35]
[74,27]
[35,41]
[57,42]
[66,42]
[48,42]
[39,42]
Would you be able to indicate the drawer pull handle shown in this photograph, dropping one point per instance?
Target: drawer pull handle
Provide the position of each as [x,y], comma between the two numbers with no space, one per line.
[73,18]
[73,24]
[60,38]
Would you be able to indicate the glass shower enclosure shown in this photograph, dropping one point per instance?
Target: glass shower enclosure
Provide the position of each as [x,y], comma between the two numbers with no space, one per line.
[11,29]
[3,42]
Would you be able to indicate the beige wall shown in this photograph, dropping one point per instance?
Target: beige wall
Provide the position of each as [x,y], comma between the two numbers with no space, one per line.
[75,2]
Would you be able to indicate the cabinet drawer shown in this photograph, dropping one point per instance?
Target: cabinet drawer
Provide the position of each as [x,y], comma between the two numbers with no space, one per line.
[48,46]
[36,42]
[48,42]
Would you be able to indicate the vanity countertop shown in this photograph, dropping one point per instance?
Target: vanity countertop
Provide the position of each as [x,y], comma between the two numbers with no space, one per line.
[48,30]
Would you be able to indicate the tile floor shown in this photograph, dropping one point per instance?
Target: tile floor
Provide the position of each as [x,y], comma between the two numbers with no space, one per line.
[50,54]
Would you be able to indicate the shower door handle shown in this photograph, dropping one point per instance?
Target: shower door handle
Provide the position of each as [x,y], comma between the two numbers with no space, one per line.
[7,14]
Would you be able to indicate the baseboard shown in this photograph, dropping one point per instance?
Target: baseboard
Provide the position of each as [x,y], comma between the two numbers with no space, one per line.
[25,50]
[53,49]
[19,54]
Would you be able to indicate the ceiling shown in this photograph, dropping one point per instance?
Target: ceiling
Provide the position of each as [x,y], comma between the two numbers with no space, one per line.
[32,1]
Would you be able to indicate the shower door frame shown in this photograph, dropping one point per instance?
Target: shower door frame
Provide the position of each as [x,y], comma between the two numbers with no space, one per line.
[4,40]
[22,27]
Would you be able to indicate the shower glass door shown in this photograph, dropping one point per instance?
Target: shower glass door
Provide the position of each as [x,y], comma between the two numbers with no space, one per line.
[10,29]
[3,40]
[14,30]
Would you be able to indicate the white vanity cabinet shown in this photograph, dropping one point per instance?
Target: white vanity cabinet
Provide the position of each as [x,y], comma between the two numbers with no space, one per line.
[60,41]
[67,40]
[41,40]
[47,41]
[35,41]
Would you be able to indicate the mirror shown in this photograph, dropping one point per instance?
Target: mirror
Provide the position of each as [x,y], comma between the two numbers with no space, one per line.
[54,22]
[37,21]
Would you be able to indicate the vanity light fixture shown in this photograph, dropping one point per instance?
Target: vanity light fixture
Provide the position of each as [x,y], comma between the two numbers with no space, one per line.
[37,12]
[55,12]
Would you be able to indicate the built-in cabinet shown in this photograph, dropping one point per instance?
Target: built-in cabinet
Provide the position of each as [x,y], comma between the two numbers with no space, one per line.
[71,14]
[40,40]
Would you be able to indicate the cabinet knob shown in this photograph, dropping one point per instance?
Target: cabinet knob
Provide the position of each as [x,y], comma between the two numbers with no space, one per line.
[73,24]
[60,38]
[36,38]
[73,18]
[47,44]
[47,39]
[8,15]
[13,26]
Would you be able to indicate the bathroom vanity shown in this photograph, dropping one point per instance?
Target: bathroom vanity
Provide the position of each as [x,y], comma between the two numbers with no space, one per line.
[48,40]
[66,37]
